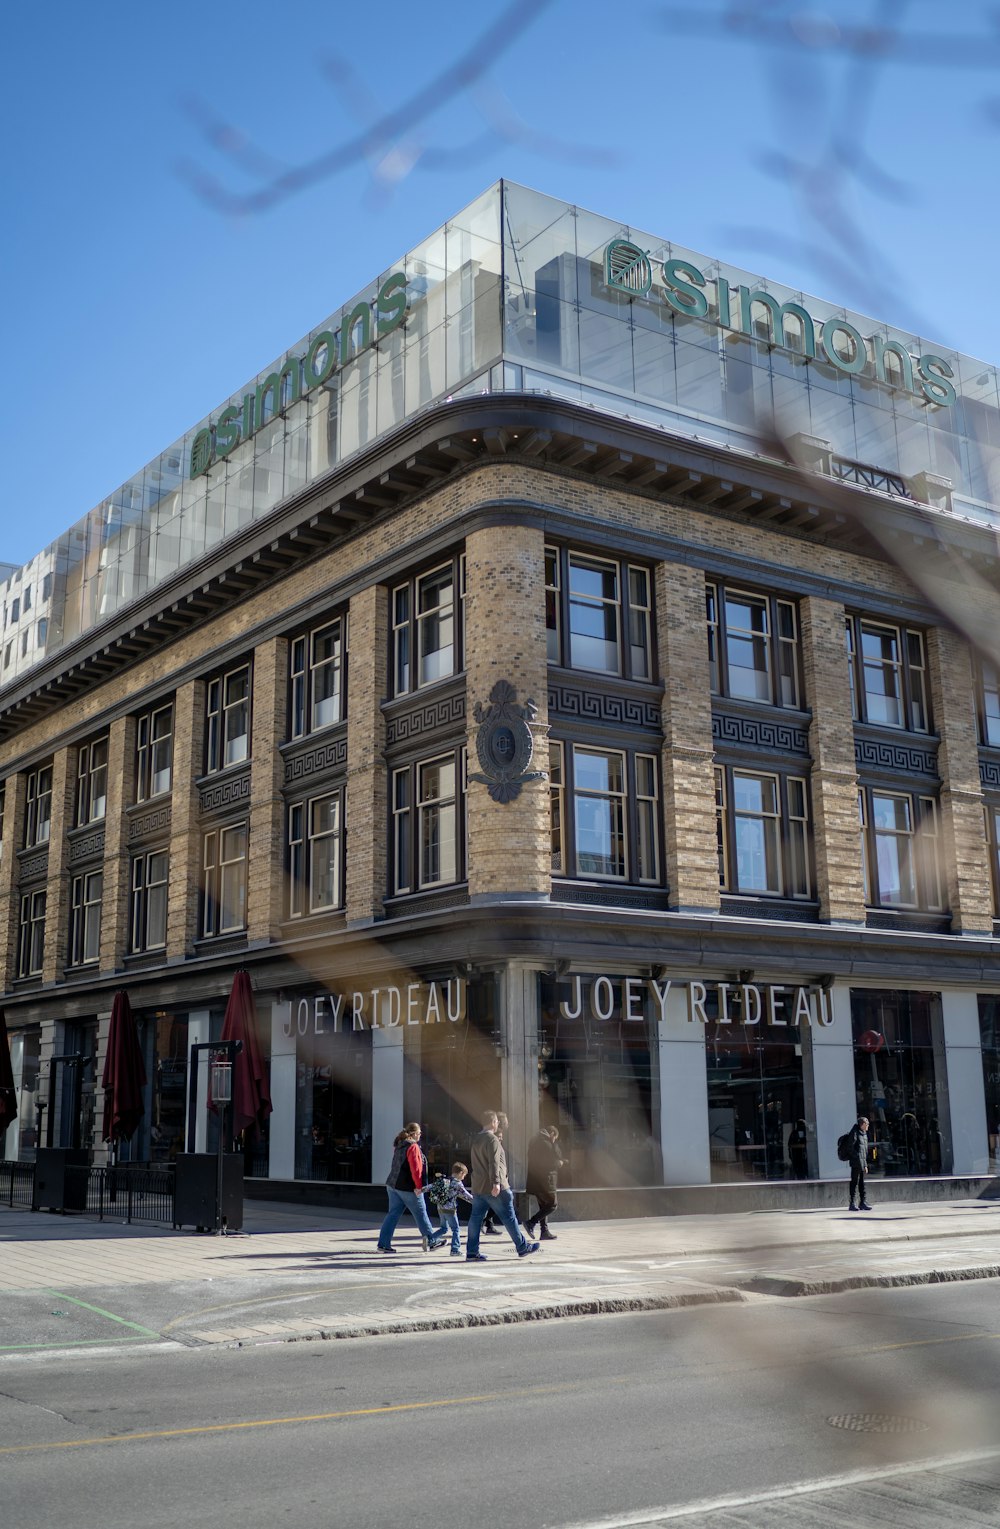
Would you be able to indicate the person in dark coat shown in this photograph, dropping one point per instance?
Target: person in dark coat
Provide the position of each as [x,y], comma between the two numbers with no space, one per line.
[798,1150]
[544,1163]
[858,1159]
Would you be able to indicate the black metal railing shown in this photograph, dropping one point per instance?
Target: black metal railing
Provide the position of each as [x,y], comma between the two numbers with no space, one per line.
[878,478]
[17,1185]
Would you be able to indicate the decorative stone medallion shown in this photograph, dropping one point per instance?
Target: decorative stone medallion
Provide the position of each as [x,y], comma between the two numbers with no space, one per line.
[504,743]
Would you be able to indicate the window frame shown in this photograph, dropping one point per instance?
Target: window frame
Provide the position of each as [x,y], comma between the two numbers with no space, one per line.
[221,871]
[783,652]
[38,806]
[411,809]
[82,918]
[301,842]
[92,781]
[220,711]
[31,932]
[303,669]
[409,623]
[910,671]
[630,804]
[923,841]
[142,891]
[791,833]
[987,690]
[628,612]
[147,743]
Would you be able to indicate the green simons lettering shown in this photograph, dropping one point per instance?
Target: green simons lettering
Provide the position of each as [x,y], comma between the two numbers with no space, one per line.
[789,326]
[299,375]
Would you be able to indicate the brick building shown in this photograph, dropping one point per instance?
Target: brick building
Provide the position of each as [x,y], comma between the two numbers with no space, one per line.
[567,681]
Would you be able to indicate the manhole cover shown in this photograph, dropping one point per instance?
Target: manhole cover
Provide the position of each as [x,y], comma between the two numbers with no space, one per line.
[876,1422]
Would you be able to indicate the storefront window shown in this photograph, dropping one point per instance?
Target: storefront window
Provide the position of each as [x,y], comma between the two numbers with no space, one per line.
[453,1075]
[20,1140]
[169,1074]
[756,1104]
[989,1035]
[895,1081]
[333,1106]
[596,1083]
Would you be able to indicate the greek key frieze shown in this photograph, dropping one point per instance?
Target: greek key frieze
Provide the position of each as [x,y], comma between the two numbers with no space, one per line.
[894,756]
[989,773]
[34,865]
[86,848]
[318,760]
[773,735]
[614,710]
[225,793]
[433,716]
[152,822]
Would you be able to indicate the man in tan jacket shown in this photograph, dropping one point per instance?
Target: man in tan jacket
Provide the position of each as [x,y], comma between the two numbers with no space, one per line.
[491,1191]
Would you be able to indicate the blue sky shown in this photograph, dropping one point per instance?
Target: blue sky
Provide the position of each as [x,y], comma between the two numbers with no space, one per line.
[853,163]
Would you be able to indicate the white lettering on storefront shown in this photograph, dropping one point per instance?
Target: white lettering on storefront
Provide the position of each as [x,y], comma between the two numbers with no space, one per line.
[378,1008]
[778,1005]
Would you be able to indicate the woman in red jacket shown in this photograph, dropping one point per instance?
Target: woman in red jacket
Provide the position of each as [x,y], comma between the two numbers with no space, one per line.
[405,1187]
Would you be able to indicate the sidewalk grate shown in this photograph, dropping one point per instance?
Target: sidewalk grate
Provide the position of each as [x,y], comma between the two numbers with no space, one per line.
[876,1422]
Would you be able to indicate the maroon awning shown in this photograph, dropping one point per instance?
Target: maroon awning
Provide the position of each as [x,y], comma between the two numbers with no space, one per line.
[251,1102]
[124,1073]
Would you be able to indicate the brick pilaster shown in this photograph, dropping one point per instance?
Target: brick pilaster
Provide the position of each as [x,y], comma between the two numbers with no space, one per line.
[185,834]
[58,879]
[509,849]
[15,796]
[121,795]
[964,852]
[266,878]
[688,751]
[366,806]
[834,779]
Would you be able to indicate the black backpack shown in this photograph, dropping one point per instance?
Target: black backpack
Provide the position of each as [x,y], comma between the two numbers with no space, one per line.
[844,1147]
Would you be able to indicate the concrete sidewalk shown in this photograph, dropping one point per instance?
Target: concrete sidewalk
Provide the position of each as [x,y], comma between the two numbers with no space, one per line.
[299,1272]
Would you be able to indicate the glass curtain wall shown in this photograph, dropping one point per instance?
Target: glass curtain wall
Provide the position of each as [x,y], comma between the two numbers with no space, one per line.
[896,1081]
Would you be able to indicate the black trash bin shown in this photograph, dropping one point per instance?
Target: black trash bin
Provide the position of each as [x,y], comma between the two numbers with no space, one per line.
[61,1178]
[196,1191]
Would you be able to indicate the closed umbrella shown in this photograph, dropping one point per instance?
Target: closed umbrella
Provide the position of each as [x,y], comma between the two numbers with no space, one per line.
[124,1074]
[8,1099]
[251,1101]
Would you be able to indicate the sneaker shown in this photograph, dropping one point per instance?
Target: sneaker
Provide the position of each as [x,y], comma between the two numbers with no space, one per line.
[546,1235]
[386,1250]
[475,1258]
[425,1243]
[438,1242]
[531,1248]
[456,1252]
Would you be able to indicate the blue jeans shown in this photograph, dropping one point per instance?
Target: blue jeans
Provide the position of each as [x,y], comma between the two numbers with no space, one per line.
[449,1223]
[503,1205]
[401,1200]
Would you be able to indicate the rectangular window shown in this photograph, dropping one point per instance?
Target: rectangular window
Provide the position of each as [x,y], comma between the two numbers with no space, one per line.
[599,812]
[149,901]
[228,718]
[989,703]
[314,854]
[427,627]
[31,934]
[154,747]
[992,814]
[557,808]
[647,814]
[598,614]
[888,672]
[85,918]
[900,850]
[428,823]
[753,646]
[92,782]
[224,905]
[763,833]
[46,586]
[38,807]
[317,662]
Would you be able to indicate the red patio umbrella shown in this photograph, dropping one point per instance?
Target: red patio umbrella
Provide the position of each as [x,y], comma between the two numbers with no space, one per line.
[8,1098]
[124,1074]
[251,1102]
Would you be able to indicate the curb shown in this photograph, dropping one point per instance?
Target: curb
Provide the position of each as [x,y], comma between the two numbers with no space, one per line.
[789,1286]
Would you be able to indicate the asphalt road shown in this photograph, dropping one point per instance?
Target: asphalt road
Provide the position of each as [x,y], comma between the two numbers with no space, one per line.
[564,1423]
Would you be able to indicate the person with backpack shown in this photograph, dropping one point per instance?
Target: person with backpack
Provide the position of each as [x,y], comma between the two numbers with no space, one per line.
[444,1194]
[852,1148]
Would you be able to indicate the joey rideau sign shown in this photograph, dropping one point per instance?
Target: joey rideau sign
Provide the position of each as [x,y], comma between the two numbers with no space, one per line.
[784,1005]
[378,1008]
